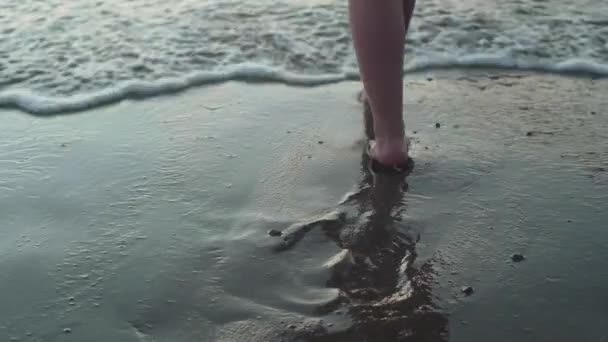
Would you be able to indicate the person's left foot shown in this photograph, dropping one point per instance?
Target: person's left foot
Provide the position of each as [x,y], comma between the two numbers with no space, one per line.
[368,118]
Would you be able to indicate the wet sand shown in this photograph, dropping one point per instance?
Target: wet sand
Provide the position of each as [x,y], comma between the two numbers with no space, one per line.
[149,220]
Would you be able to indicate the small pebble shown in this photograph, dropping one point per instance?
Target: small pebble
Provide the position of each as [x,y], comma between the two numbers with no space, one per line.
[529,133]
[320,142]
[64,145]
[467,290]
[274,232]
[292,326]
[415,132]
[429,79]
[517,257]
[437,125]
[593,113]
[67,330]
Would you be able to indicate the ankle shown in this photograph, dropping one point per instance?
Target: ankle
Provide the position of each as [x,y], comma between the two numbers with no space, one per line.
[390,152]
[392,134]
[388,144]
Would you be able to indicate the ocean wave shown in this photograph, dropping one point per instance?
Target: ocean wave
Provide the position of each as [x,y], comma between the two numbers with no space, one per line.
[41,105]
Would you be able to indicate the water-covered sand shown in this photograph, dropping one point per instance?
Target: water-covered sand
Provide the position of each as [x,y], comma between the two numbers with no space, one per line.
[148,220]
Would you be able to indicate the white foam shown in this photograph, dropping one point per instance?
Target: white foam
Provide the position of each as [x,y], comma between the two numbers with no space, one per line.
[30,102]
[572,67]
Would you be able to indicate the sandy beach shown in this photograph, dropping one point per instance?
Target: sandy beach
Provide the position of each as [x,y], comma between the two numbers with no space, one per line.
[149,220]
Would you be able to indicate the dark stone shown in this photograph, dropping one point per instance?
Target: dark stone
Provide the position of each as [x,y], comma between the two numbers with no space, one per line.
[517,257]
[593,113]
[529,133]
[437,125]
[429,79]
[320,142]
[467,290]
[274,232]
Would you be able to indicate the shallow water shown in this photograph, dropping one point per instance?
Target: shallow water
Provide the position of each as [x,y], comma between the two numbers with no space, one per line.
[148,220]
[57,56]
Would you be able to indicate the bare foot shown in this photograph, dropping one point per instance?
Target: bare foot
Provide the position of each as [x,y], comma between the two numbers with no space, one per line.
[389,153]
[362,96]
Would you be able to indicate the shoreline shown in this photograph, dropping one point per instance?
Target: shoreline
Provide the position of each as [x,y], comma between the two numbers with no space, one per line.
[44,105]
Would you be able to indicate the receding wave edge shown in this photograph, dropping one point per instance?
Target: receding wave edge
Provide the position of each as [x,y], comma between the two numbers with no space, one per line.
[41,105]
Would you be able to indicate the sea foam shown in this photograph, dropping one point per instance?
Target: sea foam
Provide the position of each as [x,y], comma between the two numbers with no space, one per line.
[37,104]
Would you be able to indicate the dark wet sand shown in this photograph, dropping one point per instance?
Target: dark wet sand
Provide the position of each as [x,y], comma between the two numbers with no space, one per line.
[148,220]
